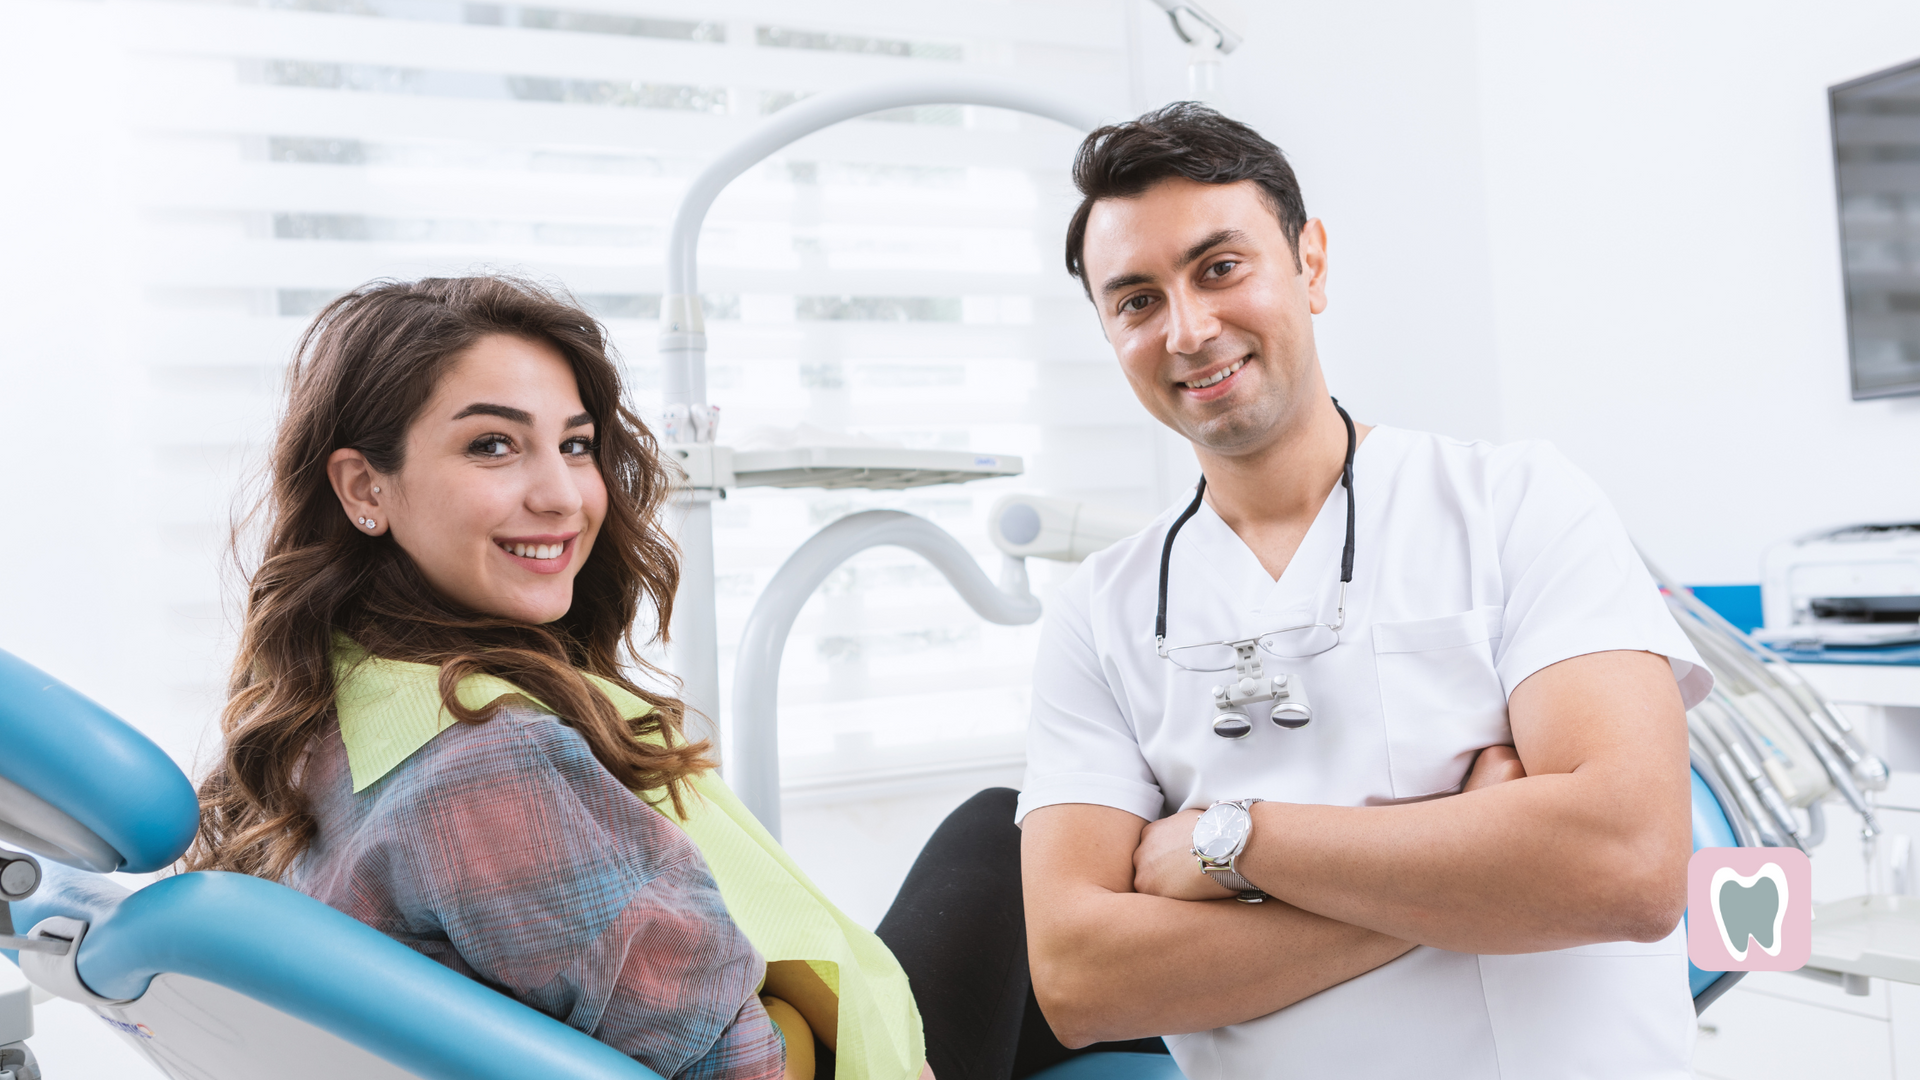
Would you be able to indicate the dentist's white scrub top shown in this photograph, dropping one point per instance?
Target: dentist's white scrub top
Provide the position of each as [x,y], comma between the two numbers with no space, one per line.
[1475,566]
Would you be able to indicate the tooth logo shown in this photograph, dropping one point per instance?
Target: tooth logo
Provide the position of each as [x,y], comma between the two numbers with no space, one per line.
[1749,909]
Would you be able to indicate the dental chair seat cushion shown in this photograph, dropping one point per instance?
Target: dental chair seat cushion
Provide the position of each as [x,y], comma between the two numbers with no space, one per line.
[93,767]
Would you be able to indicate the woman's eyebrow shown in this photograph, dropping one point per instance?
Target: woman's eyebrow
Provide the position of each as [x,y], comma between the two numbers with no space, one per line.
[578,421]
[504,412]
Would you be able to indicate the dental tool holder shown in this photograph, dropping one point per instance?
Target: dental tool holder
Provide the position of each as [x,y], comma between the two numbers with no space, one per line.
[1289,709]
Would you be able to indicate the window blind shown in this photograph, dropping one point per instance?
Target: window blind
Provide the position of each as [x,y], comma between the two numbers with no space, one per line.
[896,278]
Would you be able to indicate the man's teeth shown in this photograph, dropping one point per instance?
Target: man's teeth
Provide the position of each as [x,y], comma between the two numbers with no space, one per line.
[536,551]
[1204,383]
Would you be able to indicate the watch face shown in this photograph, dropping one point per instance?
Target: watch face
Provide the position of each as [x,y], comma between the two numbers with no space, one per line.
[1221,830]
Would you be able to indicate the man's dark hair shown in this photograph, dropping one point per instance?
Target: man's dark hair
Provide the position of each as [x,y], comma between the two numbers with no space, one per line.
[1187,139]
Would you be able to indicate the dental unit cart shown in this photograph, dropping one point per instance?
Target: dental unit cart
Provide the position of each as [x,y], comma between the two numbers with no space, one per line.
[1854,1010]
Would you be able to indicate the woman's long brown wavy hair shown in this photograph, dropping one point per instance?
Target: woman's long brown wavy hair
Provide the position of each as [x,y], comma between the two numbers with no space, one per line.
[362,372]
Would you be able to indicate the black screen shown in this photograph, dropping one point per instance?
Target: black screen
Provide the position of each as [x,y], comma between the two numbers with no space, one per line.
[1876,153]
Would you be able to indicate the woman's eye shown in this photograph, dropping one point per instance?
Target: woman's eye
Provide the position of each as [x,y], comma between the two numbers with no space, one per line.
[577,447]
[491,446]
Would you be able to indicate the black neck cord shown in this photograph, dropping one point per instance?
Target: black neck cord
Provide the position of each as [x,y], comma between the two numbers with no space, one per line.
[1200,491]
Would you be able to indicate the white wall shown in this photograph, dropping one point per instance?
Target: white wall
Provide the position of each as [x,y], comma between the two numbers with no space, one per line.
[1667,286]
[72,489]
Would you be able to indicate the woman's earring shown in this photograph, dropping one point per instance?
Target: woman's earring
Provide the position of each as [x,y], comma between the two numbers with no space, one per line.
[376,491]
[369,523]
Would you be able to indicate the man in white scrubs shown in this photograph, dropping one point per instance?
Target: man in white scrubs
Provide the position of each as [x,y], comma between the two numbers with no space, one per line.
[1526,928]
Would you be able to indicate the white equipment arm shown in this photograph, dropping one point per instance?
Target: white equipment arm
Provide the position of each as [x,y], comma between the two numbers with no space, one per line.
[683,338]
[755,766]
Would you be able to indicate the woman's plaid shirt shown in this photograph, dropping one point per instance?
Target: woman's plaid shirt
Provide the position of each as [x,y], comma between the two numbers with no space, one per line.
[506,852]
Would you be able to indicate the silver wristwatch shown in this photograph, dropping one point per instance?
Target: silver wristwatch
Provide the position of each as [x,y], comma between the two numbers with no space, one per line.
[1219,837]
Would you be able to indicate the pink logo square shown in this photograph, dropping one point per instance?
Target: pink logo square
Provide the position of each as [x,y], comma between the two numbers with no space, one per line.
[1749,909]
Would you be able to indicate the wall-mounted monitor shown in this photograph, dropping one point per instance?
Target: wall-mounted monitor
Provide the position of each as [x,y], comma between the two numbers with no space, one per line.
[1876,160]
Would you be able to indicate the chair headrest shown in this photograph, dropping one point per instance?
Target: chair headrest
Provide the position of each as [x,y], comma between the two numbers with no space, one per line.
[79,785]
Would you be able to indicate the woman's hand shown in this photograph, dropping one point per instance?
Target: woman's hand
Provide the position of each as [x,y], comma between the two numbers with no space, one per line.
[799,1037]
[795,983]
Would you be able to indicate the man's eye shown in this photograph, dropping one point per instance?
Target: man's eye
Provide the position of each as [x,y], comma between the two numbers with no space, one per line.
[1135,303]
[1222,268]
[491,446]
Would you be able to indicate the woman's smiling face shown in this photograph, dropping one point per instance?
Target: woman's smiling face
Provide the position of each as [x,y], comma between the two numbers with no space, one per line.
[498,497]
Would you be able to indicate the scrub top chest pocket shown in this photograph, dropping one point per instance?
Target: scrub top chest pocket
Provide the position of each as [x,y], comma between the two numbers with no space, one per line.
[1440,698]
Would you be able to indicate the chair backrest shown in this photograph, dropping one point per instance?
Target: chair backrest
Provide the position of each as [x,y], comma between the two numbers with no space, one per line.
[1711,828]
[80,786]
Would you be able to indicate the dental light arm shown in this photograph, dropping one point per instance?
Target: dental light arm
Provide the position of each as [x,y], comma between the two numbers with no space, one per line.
[755,769]
[683,338]
[1195,24]
[1209,38]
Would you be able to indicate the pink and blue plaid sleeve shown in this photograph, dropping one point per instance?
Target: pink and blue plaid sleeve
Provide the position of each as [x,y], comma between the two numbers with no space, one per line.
[506,851]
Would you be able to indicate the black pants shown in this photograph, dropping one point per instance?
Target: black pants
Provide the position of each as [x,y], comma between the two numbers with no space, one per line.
[959,930]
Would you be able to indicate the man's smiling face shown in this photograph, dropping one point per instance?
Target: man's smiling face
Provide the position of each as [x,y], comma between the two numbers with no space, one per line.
[1207,309]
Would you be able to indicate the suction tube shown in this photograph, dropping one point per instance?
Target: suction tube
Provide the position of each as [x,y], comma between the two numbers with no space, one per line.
[1830,737]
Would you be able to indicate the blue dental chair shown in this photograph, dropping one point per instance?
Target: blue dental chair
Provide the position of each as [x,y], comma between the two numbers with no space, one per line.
[1714,827]
[214,976]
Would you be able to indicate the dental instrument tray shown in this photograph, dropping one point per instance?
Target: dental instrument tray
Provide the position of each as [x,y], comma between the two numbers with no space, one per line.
[879,467]
[1873,936]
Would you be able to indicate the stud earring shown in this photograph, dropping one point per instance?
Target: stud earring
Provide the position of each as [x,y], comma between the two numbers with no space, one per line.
[369,522]
[376,491]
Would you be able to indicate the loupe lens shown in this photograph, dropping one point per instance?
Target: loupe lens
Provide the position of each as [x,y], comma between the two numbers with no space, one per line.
[1291,714]
[1232,725]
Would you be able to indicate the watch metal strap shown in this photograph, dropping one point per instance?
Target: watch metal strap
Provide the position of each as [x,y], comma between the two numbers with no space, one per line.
[1249,892]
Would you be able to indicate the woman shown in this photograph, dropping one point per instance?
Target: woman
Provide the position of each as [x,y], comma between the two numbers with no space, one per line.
[461,531]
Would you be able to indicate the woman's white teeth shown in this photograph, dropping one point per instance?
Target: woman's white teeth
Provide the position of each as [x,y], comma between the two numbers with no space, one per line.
[536,551]
[1204,383]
